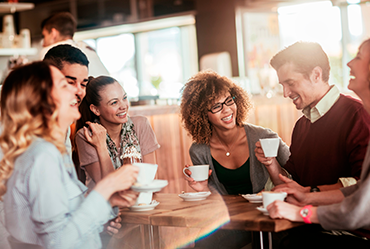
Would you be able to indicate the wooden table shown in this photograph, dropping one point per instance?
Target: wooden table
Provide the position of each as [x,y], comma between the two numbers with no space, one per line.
[225,212]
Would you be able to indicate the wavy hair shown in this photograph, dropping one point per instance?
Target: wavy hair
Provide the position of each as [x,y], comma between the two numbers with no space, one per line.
[199,94]
[27,111]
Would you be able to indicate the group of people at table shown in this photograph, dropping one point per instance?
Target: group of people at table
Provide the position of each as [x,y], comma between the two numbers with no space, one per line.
[325,171]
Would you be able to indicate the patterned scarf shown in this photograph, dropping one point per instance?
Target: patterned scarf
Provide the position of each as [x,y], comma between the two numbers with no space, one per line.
[128,139]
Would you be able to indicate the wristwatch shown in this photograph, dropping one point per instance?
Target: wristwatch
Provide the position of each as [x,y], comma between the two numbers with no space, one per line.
[314,189]
[306,214]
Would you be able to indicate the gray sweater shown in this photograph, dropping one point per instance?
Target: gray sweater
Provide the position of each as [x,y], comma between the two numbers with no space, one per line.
[201,154]
[353,212]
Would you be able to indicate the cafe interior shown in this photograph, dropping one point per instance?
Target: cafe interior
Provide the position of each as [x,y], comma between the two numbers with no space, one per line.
[152,47]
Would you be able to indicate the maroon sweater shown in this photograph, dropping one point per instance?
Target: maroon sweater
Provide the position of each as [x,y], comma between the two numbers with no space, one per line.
[332,147]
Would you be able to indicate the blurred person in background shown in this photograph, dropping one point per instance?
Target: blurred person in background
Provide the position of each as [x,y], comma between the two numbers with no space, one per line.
[59,29]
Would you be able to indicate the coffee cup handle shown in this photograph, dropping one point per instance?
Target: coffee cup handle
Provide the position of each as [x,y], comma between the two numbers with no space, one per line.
[183,171]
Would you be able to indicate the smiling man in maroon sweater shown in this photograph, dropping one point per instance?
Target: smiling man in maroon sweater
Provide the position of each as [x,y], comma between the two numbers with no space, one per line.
[329,141]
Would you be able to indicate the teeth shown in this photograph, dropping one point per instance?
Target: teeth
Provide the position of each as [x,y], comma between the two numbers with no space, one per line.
[73,102]
[227,118]
[121,114]
[295,98]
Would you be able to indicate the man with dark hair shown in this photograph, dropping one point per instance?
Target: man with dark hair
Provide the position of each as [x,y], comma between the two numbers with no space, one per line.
[329,141]
[59,29]
[74,65]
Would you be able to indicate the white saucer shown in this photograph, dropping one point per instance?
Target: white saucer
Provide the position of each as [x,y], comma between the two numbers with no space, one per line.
[254,198]
[194,196]
[151,206]
[263,210]
[154,186]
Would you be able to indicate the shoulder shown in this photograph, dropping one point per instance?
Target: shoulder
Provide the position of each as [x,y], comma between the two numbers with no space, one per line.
[80,134]
[349,102]
[198,148]
[258,131]
[38,154]
[140,122]
[139,119]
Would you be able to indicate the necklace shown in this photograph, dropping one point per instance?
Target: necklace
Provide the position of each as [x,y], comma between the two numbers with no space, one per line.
[231,148]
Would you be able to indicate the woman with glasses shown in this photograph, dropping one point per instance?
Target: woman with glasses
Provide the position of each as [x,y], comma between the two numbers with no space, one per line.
[214,110]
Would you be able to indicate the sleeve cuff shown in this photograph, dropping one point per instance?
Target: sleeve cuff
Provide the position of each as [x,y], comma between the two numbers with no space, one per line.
[347,181]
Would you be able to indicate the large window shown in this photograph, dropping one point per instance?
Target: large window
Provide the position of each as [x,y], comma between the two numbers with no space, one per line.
[148,59]
[338,29]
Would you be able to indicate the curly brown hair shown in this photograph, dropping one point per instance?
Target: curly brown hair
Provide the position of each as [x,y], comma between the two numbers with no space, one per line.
[198,96]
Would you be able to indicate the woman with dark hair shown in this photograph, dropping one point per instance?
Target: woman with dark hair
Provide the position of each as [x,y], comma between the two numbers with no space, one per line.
[111,135]
[44,202]
[214,109]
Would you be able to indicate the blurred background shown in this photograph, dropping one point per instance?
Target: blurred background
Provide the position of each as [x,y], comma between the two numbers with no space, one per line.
[153,46]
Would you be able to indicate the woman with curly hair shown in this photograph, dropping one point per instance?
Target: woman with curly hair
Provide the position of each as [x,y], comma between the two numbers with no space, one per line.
[214,109]
[44,202]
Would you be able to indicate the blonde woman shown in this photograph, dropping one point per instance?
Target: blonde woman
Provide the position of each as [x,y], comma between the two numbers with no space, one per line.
[44,201]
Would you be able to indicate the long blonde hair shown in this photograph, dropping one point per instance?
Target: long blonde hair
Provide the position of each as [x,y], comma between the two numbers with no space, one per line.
[27,111]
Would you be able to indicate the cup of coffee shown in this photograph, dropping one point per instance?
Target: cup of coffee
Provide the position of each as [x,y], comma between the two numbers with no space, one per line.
[270,146]
[269,197]
[147,172]
[198,172]
[144,198]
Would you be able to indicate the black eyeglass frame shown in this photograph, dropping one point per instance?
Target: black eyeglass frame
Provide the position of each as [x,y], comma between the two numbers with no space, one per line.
[222,104]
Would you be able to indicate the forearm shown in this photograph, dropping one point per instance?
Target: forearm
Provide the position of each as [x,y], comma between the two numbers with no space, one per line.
[274,170]
[325,198]
[149,158]
[77,226]
[335,186]
[106,165]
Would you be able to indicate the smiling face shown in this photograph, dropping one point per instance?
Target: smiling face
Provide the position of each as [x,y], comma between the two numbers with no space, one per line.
[301,90]
[78,76]
[113,106]
[360,71]
[226,118]
[64,98]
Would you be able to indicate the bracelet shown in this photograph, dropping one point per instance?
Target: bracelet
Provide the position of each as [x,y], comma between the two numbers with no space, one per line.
[306,213]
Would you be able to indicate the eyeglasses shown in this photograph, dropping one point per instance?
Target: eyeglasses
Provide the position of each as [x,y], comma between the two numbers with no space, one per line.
[218,107]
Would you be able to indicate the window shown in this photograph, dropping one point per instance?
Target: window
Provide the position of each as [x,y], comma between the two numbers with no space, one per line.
[148,58]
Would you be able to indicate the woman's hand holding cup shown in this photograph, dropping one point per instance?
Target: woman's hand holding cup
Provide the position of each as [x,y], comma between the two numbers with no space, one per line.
[200,183]
[119,180]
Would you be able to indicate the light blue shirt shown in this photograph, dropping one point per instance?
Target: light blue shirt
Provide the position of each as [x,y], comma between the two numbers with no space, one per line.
[45,204]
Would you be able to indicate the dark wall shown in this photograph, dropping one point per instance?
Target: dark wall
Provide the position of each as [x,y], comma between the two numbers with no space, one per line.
[216,29]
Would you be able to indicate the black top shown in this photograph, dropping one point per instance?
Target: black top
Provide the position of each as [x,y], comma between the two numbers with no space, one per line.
[236,181]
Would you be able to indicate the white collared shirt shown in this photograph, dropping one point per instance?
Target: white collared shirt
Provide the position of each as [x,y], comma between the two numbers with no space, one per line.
[323,106]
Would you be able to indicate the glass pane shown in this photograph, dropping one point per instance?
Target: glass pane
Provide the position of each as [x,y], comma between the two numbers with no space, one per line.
[317,22]
[160,66]
[118,55]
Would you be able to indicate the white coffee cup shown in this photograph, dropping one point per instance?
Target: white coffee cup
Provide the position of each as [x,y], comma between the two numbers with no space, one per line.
[269,197]
[146,173]
[270,146]
[198,172]
[25,38]
[144,198]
